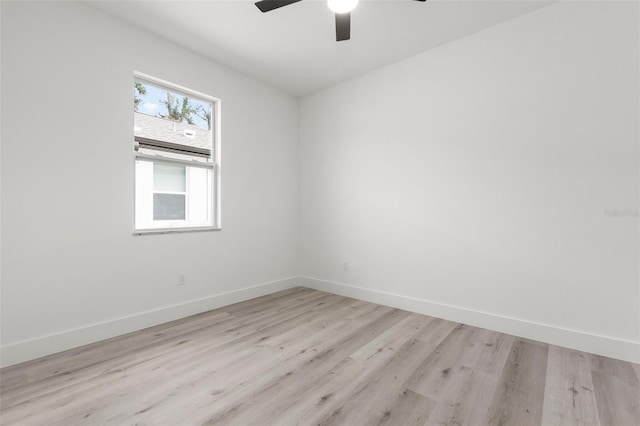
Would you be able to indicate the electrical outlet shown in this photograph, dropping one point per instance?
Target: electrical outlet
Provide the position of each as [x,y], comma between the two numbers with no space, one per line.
[182,279]
[345,266]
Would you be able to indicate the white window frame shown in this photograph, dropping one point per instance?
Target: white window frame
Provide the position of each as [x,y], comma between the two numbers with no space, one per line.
[213,164]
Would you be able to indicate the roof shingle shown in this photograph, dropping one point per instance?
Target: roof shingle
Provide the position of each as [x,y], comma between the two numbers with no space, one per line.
[148,126]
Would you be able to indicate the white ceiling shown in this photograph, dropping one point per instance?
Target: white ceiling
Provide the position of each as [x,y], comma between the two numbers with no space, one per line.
[294,47]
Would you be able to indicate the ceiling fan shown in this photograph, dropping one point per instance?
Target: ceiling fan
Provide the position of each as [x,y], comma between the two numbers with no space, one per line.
[342,9]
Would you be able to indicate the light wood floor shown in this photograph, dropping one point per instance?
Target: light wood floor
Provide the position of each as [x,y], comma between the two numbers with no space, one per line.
[306,357]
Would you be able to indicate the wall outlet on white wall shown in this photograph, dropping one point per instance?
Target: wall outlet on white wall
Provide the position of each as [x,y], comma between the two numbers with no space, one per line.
[182,279]
[345,266]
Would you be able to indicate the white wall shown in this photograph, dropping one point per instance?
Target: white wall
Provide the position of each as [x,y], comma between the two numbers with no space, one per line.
[69,259]
[473,179]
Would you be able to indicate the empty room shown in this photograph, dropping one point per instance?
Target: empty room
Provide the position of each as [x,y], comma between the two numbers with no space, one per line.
[320,212]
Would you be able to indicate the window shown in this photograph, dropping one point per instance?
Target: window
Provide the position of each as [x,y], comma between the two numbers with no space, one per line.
[176,146]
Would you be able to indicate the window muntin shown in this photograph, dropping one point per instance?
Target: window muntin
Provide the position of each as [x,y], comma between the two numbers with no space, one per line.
[175,145]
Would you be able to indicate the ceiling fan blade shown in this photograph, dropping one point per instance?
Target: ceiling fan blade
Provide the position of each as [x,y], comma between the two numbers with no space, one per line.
[343,26]
[268,5]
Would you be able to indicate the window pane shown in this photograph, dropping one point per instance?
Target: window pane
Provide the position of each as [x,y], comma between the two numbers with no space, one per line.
[168,207]
[169,178]
[165,115]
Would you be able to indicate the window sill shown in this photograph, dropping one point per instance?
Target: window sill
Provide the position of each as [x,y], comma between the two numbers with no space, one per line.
[175,230]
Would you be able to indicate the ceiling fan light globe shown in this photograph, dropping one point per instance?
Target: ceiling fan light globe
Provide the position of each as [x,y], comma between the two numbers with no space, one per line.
[342,6]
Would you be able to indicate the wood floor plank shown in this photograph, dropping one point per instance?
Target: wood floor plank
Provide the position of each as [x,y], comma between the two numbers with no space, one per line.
[409,409]
[569,398]
[618,399]
[612,367]
[519,396]
[636,368]
[284,296]
[487,351]
[302,356]
[13,378]
[438,370]
[279,404]
[466,400]
[368,398]
[391,339]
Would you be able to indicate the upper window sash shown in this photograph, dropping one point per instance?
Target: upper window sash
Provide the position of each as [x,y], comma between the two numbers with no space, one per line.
[173,119]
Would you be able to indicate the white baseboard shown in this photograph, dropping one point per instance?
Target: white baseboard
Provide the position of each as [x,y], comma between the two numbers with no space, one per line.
[26,350]
[626,350]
